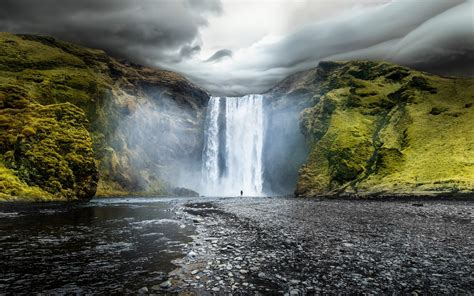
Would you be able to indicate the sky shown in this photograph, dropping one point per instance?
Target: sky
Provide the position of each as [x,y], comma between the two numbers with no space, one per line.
[236,47]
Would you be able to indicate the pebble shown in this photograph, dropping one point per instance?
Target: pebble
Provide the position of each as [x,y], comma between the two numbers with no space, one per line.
[294,292]
[156,288]
[166,284]
[143,290]
[322,247]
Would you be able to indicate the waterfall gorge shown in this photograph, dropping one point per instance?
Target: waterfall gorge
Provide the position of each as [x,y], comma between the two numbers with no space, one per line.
[233,146]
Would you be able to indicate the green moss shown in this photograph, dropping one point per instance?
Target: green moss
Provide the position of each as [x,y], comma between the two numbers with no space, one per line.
[43,79]
[389,130]
[13,188]
[46,149]
[45,138]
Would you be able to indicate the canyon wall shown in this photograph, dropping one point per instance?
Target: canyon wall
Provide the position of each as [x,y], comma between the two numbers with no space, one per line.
[375,128]
[76,122]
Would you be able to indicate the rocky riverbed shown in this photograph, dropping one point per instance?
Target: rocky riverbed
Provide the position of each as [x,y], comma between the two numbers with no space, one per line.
[240,246]
[301,247]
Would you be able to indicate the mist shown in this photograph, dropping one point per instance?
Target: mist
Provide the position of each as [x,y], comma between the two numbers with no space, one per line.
[162,140]
[285,147]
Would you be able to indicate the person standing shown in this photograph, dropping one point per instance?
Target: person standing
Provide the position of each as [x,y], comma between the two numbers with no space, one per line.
[241,192]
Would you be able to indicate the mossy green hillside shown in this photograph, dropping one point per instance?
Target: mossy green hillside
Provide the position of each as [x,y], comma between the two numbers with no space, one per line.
[378,128]
[46,150]
[41,77]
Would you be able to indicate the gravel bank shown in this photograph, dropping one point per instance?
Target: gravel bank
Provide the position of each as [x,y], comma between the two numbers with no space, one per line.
[300,247]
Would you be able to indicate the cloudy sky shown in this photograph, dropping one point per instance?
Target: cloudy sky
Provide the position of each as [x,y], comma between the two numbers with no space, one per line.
[233,47]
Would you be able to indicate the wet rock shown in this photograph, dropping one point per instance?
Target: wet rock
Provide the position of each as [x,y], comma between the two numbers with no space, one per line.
[143,290]
[166,284]
[329,250]
[156,288]
[294,292]
[180,191]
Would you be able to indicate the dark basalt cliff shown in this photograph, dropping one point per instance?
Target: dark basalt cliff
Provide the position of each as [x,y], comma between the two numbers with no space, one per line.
[70,125]
[375,128]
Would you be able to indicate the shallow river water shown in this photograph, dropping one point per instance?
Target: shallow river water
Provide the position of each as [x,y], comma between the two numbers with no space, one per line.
[104,245]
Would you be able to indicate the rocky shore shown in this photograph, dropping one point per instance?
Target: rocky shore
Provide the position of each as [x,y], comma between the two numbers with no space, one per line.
[303,247]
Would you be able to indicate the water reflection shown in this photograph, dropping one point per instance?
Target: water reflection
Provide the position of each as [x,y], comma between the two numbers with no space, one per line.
[107,245]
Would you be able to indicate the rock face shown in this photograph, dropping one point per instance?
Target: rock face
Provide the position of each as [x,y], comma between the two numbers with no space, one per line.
[74,120]
[381,129]
[285,146]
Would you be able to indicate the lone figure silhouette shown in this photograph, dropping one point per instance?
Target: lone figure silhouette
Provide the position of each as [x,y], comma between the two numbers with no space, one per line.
[241,192]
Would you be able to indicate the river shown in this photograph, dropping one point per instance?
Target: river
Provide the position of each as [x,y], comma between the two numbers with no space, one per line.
[239,245]
[106,245]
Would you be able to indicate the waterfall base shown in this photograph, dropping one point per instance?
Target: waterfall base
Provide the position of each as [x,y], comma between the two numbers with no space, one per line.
[232,155]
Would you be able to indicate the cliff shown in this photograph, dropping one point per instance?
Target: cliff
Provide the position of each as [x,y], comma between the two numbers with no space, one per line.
[78,123]
[375,128]
[73,120]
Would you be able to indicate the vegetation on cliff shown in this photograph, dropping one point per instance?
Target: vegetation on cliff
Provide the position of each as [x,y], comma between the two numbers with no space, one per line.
[61,109]
[377,128]
[46,151]
[70,126]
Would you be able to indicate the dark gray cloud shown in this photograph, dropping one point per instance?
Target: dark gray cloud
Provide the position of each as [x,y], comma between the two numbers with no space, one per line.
[145,31]
[431,35]
[415,33]
[219,55]
[189,51]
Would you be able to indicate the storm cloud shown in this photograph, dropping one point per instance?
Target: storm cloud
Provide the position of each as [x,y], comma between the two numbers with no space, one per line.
[434,35]
[219,55]
[144,31]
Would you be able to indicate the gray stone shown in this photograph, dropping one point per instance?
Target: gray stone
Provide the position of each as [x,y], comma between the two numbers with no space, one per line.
[142,290]
[166,284]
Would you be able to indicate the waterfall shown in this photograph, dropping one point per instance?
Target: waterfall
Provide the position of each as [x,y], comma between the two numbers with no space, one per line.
[232,155]
[210,156]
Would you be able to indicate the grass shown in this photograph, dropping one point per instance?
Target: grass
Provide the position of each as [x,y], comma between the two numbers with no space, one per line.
[382,135]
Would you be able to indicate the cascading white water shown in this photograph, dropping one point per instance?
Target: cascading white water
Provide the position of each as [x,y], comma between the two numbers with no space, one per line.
[210,155]
[233,161]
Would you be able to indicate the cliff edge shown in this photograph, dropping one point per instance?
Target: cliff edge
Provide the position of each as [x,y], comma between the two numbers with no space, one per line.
[375,128]
[71,125]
